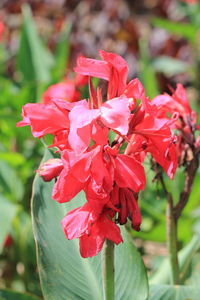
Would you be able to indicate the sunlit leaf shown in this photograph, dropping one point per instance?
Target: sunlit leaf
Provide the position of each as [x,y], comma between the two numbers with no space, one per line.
[185,30]
[12,295]
[178,292]
[34,61]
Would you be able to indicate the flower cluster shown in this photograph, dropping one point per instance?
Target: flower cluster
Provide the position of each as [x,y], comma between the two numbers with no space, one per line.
[110,172]
[177,105]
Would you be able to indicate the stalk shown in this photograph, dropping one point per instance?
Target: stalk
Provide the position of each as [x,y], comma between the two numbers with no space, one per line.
[108,271]
[172,238]
[172,241]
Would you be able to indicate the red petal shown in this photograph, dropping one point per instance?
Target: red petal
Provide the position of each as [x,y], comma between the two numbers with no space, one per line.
[92,67]
[44,118]
[120,70]
[91,245]
[79,221]
[66,187]
[129,173]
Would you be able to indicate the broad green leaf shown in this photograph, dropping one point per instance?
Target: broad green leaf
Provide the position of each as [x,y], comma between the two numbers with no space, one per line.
[162,276]
[8,211]
[184,30]
[170,292]
[169,65]
[131,279]
[13,295]
[63,273]
[34,61]
[13,158]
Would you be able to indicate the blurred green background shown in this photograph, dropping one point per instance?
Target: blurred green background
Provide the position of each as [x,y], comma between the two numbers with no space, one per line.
[39,44]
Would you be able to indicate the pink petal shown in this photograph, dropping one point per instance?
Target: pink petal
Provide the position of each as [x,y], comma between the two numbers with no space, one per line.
[121,69]
[43,118]
[92,67]
[65,90]
[115,114]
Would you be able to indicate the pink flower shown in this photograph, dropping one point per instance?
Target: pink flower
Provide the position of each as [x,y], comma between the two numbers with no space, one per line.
[45,118]
[50,169]
[178,102]
[65,90]
[2,30]
[110,176]
[91,228]
[87,124]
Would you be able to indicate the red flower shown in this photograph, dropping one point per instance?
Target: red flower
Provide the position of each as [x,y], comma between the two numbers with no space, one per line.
[45,118]
[102,229]
[2,30]
[91,228]
[126,202]
[65,90]
[178,102]
[112,68]
[157,139]
[8,241]
[110,177]
[50,169]
[91,123]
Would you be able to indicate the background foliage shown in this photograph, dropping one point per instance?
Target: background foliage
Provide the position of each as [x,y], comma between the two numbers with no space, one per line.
[159,39]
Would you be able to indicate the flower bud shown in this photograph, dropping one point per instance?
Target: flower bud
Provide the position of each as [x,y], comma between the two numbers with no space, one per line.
[50,169]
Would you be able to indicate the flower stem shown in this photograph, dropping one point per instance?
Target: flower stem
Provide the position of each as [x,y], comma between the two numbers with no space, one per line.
[172,240]
[108,271]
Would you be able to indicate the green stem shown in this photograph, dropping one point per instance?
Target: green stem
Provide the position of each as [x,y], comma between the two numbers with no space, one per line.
[108,271]
[172,240]
[172,236]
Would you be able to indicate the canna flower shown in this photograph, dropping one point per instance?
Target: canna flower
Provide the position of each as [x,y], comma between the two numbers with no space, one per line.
[65,90]
[91,228]
[50,169]
[110,177]
[2,30]
[94,123]
[114,69]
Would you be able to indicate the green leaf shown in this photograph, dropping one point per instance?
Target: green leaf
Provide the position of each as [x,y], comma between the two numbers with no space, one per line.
[63,272]
[34,61]
[169,65]
[131,279]
[184,30]
[13,158]
[170,292]
[12,295]
[10,183]
[8,211]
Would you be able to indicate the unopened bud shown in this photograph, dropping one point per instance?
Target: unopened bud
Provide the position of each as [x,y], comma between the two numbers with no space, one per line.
[50,169]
